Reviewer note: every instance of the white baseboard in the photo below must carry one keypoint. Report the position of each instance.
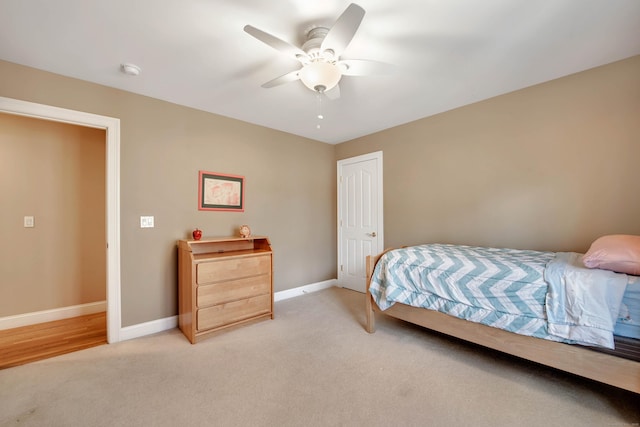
(36, 317)
(307, 289)
(155, 326)
(141, 329)
(148, 328)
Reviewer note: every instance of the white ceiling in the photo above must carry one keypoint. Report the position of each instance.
(447, 53)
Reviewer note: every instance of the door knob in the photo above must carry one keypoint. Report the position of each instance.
(372, 234)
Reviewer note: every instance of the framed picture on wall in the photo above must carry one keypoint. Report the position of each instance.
(220, 192)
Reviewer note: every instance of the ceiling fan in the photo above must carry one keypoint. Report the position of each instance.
(322, 68)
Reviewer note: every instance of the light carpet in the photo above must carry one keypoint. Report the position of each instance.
(313, 365)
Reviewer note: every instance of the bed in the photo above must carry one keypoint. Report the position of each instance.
(546, 307)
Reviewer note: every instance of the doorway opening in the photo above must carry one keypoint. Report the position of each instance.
(112, 128)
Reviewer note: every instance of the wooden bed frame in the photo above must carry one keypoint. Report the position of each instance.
(602, 367)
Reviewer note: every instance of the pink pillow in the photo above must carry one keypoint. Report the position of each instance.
(619, 253)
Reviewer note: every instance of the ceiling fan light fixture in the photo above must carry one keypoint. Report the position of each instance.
(320, 76)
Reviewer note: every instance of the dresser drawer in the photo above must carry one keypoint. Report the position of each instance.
(221, 292)
(226, 269)
(225, 314)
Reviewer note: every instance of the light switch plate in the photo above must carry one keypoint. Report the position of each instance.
(146, 222)
(29, 222)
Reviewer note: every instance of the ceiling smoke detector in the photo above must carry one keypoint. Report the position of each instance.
(130, 69)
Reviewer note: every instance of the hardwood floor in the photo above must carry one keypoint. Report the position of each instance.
(35, 342)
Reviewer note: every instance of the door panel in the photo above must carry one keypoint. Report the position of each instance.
(359, 217)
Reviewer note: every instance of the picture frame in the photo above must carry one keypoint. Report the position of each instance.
(220, 192)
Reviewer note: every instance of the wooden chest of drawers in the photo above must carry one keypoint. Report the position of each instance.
(223, 282)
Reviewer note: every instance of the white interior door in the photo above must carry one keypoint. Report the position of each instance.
(360, 217)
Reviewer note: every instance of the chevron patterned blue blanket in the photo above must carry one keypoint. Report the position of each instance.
(502, 288)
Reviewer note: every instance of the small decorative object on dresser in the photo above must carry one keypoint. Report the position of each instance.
(223, 282)
(245, 231)
(197, 234)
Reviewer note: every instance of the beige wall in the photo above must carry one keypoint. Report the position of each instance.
(549, 167)
(290, 186)
(56, 173)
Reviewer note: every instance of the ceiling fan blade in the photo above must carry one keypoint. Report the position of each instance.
(276, 43)
(363, 67)
(340, 35)
(289, 77)
(333, 93)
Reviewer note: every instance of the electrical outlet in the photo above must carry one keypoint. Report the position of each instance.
(29, 222)
(146, 222)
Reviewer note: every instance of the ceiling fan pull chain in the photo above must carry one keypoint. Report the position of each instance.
(319, 108)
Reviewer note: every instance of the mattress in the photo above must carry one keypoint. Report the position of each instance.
(526, 292)
(628, 323)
